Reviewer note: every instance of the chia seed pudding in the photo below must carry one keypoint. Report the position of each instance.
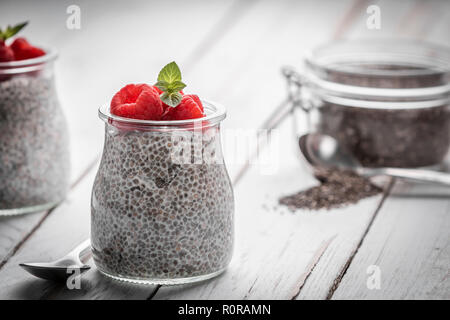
(34, 155)
(389, 138)
(156, 220)
(387, 104)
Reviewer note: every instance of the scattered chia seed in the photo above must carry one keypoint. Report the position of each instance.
(337, 188)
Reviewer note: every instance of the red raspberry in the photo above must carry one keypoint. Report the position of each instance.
(137, 101)
(6, 53)
(24, 50)
(197, 100)
(187, 109)
(20, 44)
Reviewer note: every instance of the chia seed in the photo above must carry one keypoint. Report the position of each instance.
(337, 188)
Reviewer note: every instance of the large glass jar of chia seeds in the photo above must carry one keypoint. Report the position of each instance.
(162, 203)
(34, 148)
(386, 102)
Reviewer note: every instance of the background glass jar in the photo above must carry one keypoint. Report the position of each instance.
(386, 102)
(34, 146)
(162, 201)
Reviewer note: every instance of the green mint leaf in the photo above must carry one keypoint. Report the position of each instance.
(171, 99)
(162, 85)
(169, 81)
(176, 86)
(170, 73)
(11, 31)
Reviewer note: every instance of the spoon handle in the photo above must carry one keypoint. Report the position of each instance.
(413, 174)
(81, 250)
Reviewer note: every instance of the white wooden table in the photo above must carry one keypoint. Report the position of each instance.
(231, 52)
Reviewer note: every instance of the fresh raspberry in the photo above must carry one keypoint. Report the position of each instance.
(197, 100)
(187, 109)
(24, 50)
(137, 101)
(6, 53)
(20, 44)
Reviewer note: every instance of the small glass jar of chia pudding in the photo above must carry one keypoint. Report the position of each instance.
(162, 201)
(34, 147)
(386, 102)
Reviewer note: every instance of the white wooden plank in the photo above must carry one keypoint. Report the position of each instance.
(410, 243)
(12, 230)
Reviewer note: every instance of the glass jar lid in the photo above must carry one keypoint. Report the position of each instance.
(380, 71)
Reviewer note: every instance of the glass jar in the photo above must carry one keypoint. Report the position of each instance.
(34, 146)
(162, 201)
(386, 102)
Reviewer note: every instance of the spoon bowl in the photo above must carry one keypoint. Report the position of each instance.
(52, 272)
(323, 151)
(61, 269)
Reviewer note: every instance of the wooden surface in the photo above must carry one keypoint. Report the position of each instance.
(232, 52)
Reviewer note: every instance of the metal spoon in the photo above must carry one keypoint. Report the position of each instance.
(323, 151)
(61, 269)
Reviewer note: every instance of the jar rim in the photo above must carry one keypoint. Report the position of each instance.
(418, 57)
(28, 65)
(50, 55)
(345, 102)
(215, 113)
(383, 94)
(382, 62)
